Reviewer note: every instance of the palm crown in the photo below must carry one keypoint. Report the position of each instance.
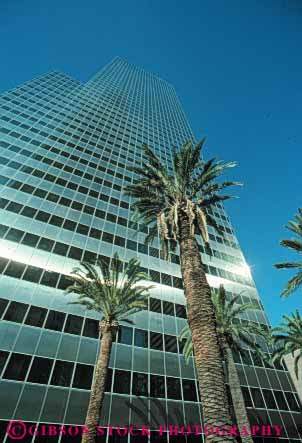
(235, 333)
(294, 244)
(109, 289)
(287, 339)
(191, 189)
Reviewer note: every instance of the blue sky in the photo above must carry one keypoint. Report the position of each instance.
(237, 71)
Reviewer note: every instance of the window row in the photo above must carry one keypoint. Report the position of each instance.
(41, 370)
(73, 324)
(61, 281)
(270, 399)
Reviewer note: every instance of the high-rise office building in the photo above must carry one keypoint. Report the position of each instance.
(65, 153)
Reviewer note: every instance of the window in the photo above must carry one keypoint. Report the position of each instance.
(155, 305)
(75, 253)
(121, 382)
(157, 386)
(3, 304)
(73, 324)
(62, 373)
(16, 312)
(45, 244)
(173, 388)
(30, 240)
(91, 328)
(246, 396)
(269, 399)
(49, 279)
(17, 367)
(141, 338)
(55, 320)
(180, 311)
(60, 249)
(170, 343)
(32, 274)
(3, 359)
(15, 269)
(257, 397)
(14, 235)
(83, 376)
(156, 341)
(40, 370)
(168, 308)
(189, 390)
(281, 400)
(125, 335)
(36, 316)
(140, 384)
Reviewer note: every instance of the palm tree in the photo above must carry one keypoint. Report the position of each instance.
(294, 244)
(107, 289)
(232, 337)
(287, 339)
(175, 207)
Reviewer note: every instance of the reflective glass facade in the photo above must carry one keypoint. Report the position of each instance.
(65, 152)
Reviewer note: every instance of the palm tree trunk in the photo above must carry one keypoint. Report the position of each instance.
(202, 322)
(99, 383)
(236, 392)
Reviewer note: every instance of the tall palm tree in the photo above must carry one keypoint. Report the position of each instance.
(115, 294)
(175, 207)
(287, 339)
(294, 244)
(232, 337)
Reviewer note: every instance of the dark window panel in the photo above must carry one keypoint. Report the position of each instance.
(91, 328)
(16, 312)
(125, 335)
(269, 399)
(180, 311)
(73, 324)
(83, 376)
(32, 274)
(36, 316)
(75, 253)
(156, 341)
(109, 380)
(141, 338)
(55, 320)
(30, 240)
(14, 235)
(170, 343)
(247, 396)
(3, 304)
(28, 212)
(50, 279)
(60, 249)
(121, 382)
(40, 370)
(189, 390)
(173, 388)
(3, 360)
(15, 269)
(17, 367)
(155, 305)
(257, 398)
(3, 230)
(64, 282)
(3, 263)
(45, 244)
(281, 400)
(157, 386)
(168, 308)
(140, 384)
(62, 373)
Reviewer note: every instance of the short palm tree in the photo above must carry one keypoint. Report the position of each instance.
(287, 339)
(232, 337)
(115, 294)
(294, 244)
(175, 208)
